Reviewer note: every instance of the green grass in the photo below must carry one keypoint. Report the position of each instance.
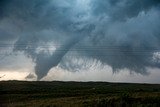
(78, 94)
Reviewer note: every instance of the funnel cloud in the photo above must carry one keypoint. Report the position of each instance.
(122, 34)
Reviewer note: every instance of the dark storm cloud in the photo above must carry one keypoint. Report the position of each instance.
(120, 33)
(5, 36)
(122, 9)
(2, 4)
(44, 21)
(128, 44)
(126, 35)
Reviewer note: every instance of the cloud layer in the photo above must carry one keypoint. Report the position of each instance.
(123, 34)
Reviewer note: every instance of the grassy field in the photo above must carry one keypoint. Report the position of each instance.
(78, 94)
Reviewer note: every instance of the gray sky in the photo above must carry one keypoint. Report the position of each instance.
(80, 40)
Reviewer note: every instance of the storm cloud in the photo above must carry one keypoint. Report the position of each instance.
(123, 34)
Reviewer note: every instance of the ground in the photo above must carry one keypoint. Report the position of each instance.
(78, 94)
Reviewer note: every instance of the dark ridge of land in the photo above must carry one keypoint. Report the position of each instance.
(78, 94)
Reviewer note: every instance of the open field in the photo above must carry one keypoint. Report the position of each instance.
(78, 94)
